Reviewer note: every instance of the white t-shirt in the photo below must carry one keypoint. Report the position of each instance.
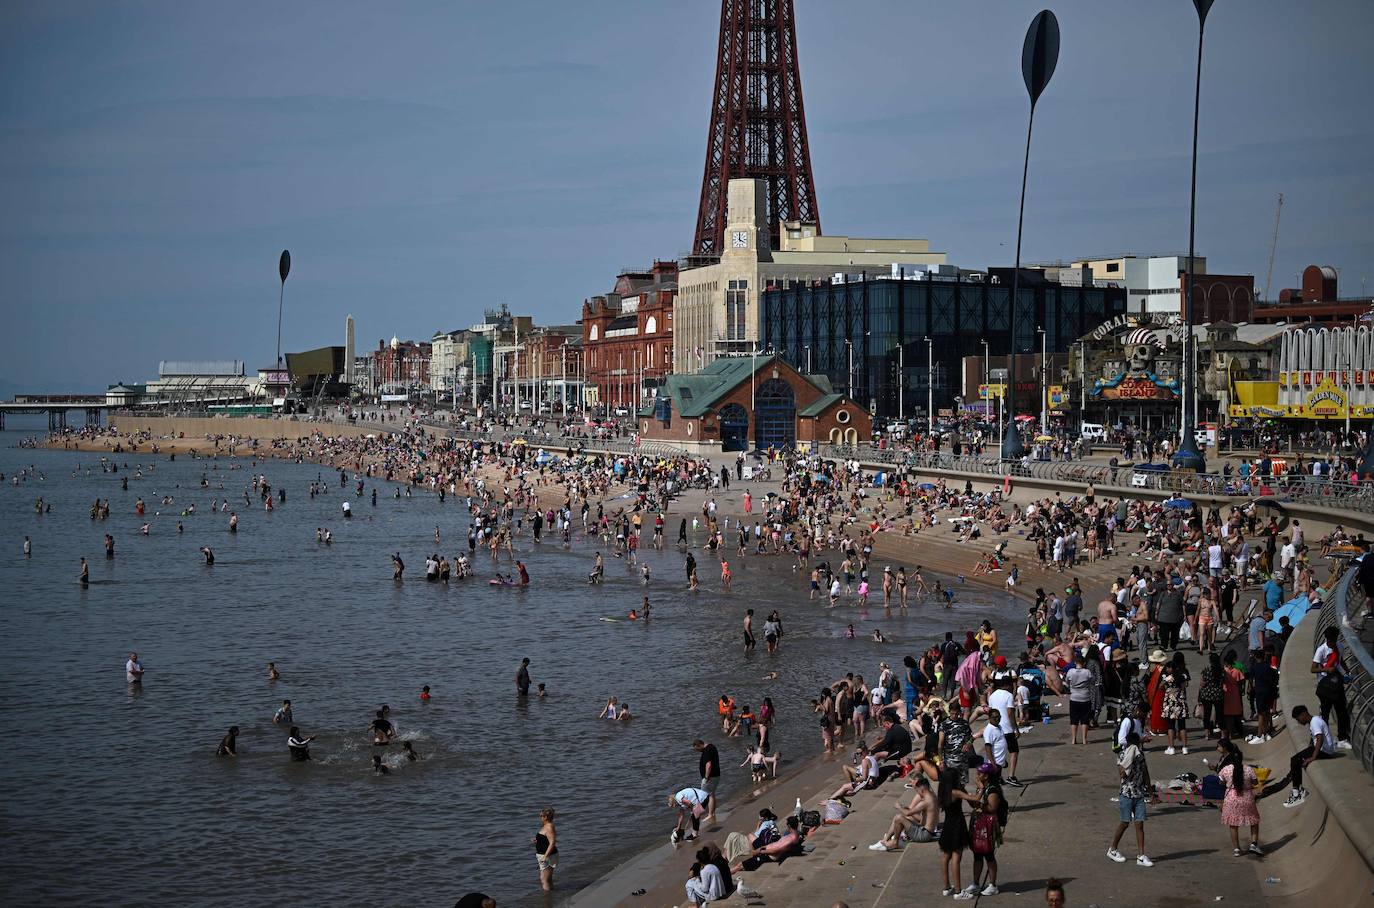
(1320, 657)
(131, 668)
(693, 796)
(994, 736)
(1287, 554)
(1319, 729)
(1127, 726)
(1214, 556)
(1003, 701)
(869, 767)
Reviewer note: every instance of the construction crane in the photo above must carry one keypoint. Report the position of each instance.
(1273, 245)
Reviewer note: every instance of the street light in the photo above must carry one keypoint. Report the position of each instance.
(1039, 54)
(1044, 386)
(1188, 456)
(930, 385)
(807, 348)
(850, 346)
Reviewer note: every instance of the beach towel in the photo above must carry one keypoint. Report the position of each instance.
(1293, 610)
(970, 672)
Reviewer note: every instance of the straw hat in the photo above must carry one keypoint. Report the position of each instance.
(1158, 657)
(1119, 655)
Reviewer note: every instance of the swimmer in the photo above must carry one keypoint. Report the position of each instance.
(539, 690)
(228, 745)
(410, 753)
(382, 730)
(878, 636)
(645, 609)
(633, 616)
(645, 575)
(378, 767)
(398, 567)
(209, 555)
(771, 676)
(610, 710)
(283, 715)
(28, 547)
(85, 573)
(272, 673)
(624, 713)
(424, 694)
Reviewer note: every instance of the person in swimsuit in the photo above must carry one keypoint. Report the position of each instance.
(85, 573)
(208, 553)
(609, 710)
(228, 745)
(546, 848)
(378, 766)
(272, 673)
(382, 730)
(749, 641)
(299, 746)
(901, 587)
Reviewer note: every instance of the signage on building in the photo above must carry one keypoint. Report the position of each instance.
(990, 392)
(1135, 320)
(1058, 399)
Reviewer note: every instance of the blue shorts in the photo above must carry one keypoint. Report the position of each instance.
(1103, 630)
(1132, 809)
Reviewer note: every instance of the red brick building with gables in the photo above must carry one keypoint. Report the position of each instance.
(627, 337)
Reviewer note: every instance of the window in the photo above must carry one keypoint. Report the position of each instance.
(736, 300)
(651, 325)
(1113, 266)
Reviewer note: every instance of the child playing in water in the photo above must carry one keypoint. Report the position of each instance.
(863, 593)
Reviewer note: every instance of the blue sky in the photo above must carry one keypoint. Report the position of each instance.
(423, 161)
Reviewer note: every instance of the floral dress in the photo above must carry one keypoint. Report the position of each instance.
(1238, 808)
(1175, 696)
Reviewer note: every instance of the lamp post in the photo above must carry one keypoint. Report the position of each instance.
(901, 383)
(987, 382)
(1044, 384)
(1188, 456)
(850, 345)
(807, 348)
(930, 385)
(1039, 54)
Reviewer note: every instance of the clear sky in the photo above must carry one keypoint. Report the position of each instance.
(423, 161)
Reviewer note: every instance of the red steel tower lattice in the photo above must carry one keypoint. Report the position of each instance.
(758, 125)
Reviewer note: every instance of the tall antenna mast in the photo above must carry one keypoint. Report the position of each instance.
(1273, 244)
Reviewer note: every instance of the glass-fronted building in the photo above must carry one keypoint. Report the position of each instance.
(814, 325)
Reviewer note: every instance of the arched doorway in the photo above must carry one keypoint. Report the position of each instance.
(734, 428)
(775, 415)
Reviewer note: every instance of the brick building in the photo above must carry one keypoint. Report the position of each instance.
(738, 403)
(401, 364)
(1317, 301)
(627, 337)
(549, 366)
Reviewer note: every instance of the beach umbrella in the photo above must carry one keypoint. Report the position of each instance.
(1293, 610)
(926, 486)
(1178, 503)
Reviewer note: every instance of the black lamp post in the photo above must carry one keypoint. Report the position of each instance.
(1039, 54)
(283, 269)
(1188, 456)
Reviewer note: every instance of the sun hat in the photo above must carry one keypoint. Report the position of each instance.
(1158, 657)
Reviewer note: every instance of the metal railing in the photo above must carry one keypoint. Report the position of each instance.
(1357, 665)
(1293, 488)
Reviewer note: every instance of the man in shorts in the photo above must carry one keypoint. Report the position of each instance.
(709, 766)
(1135, 783)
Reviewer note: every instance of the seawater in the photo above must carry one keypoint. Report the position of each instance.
(112, 793)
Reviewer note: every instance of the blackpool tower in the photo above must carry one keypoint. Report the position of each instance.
(758, 125)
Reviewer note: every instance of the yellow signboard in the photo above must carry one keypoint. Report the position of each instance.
(990, 392)
(1057, 398)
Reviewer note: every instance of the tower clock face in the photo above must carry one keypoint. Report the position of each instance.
(739, 239)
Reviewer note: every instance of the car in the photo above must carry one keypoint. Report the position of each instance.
(621, 411)
(1094, 431)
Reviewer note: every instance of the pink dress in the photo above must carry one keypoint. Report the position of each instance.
(1238, 808)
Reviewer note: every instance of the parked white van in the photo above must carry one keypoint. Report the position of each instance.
(1094, 431)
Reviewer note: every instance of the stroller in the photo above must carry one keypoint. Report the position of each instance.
(1034, 679)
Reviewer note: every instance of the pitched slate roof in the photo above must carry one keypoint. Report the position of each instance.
(818, 406)
(693, 395)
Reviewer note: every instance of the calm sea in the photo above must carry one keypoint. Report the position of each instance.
(115, 795)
